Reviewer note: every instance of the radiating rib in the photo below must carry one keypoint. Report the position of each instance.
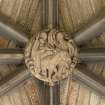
(8, 30)
(51, 94)
(84, 76)
(50, 20)
(50, 13)
(11, 56)
(96, 29)
(10, 33)
(45, 13)
(56, 14)
(13, 80)
(92, 55)
(55, 95)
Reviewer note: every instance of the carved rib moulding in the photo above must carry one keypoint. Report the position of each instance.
(51, 56)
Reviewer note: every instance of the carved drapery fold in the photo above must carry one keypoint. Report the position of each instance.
(51, 56)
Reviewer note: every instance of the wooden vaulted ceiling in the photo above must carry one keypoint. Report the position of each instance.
(73, 16)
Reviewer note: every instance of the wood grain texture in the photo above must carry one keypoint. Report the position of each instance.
(102, 101)
(73, 93)
(26, 15)
(84, 96)
(23, 94)
(64, 87)
(95, 99)
(74, 15)
(23, 13)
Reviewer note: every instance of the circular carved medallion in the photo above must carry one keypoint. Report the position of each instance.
(51, 56)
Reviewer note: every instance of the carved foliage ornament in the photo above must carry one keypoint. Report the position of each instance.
(51, 56)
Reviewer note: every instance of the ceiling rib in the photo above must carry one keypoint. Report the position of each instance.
(92, 55)
(80, 75)
(44, 13)
(9, 32)
(50, 13)
(11, 56)
(91, 32)
(96, 29)
(14, 80)
(50, 20)
(84, 76)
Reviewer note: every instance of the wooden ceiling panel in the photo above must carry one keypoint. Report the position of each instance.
(74, 14)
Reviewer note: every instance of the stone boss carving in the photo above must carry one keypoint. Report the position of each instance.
(51, 56)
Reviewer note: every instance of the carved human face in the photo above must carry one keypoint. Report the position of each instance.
(51, 64)
(43, 37)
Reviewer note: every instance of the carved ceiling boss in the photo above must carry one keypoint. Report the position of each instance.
(51, 56)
